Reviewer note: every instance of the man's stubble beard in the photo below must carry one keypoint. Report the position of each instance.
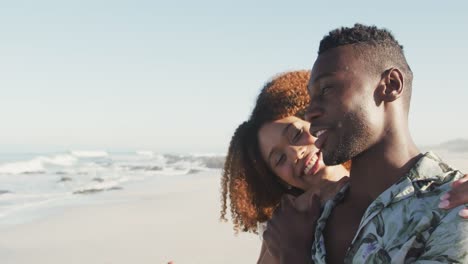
(351, 142)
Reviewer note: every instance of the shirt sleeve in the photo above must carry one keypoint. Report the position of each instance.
(448, 243)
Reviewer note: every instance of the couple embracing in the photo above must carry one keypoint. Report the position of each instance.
(327, 161)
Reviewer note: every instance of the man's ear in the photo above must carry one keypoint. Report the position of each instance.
(390, 86)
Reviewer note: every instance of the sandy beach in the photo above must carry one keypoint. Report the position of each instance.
(135, 225)
(152, 220)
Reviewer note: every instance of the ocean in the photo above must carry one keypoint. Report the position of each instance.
(32, 185)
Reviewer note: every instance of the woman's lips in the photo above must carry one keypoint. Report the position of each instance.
(313, 165)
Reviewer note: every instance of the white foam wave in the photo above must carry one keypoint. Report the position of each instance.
(101, 186)
(145, 153)
(213, 154)
(60, 160)
(89, 154)
(36, 165)
(31, 166)
(40, 181)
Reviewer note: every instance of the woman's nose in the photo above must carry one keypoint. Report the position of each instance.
(297, 153)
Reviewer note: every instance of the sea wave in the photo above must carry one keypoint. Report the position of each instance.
(77, 161)
(142, 168)
(60, 160)
(4, 192)
(146, 153)
(36, 165)
(20, 167)
(57, 177)
(101, 185)
(96, 190)
(89, 153)
(208, 161)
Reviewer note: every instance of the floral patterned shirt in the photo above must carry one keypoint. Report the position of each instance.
(404, 224)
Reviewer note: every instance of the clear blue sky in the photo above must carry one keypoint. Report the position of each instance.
(176, 76)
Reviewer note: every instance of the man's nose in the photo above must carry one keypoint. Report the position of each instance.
(312, 113)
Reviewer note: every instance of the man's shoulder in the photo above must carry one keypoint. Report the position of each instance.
(414, 204)
(411, 226)
(431, 168)
(430, 178)
(428, 189)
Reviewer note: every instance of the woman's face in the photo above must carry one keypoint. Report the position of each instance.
(288, 149)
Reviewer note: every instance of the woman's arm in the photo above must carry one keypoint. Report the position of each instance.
(266, 257)
(290, 231)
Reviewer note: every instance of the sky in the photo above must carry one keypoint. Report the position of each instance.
(180, 76)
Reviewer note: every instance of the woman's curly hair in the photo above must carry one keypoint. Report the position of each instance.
(253, 189)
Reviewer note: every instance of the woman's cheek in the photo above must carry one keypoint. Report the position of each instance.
(285, 175)
(307, 138)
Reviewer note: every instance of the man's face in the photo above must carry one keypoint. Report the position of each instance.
(343, 113)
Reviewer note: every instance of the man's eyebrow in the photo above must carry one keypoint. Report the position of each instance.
(321, 76)
(285, 130)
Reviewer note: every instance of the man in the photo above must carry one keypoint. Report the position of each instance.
(388, 213)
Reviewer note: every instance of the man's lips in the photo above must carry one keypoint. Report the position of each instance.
(321, 135)
(316, 130)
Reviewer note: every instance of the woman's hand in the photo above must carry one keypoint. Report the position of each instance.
(328, 189)
(457, 196)
(290, 232)
(266, 257)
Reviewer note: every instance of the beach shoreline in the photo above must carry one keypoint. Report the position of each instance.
(153, 220)
(179, 222)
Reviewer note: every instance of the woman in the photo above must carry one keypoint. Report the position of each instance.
(273, 154)
(259, 165)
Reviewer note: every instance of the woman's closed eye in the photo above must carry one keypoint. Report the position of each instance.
(280, 158)
(297, 135)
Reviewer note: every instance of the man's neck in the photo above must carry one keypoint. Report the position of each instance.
(378, 168)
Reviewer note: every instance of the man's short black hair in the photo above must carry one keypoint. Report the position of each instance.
(359, 34)
(376, 46)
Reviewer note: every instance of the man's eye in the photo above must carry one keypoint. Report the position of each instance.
(325, 89)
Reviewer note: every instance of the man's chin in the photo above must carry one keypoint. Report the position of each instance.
(329, 159)
(332, 158)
